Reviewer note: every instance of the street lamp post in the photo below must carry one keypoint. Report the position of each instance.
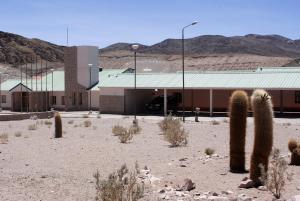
(90, 105)
(135, 47)
(182, 40)
(0, 92)
(52, 89)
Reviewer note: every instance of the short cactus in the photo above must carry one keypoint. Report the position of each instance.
(238, 109)
(294, 148)
(58, 125)
(263, 119)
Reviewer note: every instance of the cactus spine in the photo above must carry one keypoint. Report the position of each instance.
(58, 125)
(263, 125)
(294, 148)
(238, 120)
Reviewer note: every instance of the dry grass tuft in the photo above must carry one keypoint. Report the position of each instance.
(32, 126)
(277, 175)
(85, 116)
(168, 122)
(18, 134)
(124, 134)
(173, 131)
(70, 121)
(209, 151)
(215, 122)
(135, 128)
(48, 122)
(4, 138)
(87, 123)
(122, 185)
(118, 130)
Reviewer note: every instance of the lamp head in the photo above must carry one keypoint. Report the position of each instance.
(135, 46)
(195, 22)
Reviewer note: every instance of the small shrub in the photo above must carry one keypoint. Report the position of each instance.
(176, 135)
(87, 123)
(85, 116)
(48, 122)
(3, 138)
(18, 134)
(215, 122)
(275, 178)
(135, 128)
(70, 121)
(32, 127)
(168, 122)
(209, 151)
(126, 136)
(33, 117)
(118, 130)
(121, 185)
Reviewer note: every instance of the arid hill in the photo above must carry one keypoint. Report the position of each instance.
(208, 52)
(15, 49)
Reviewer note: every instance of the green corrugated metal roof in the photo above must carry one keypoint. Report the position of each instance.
(214, 80)
(115, 78)
(58, 82)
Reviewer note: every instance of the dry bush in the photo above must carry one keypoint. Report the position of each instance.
(168, 122)
(18, 134)
(32, 126)
(118, 130)
(209, 151)
(176, 135)
(277, 175)
(4, 138)
(70, 121)
(87, 123)
(215, 122)
(135, 128)
(85, 116)
(126, 136)
(122, 185)
(48, 122)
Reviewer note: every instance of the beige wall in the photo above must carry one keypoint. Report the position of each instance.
(6, 105)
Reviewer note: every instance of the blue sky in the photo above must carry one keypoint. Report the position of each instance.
(104, 22)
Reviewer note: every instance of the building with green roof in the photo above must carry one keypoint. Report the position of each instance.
(114, 93)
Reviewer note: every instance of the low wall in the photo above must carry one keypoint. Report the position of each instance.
(18, 116)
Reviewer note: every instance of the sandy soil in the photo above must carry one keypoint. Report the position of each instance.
(173, 63)
(34, 166)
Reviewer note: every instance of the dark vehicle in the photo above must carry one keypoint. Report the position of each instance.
(157, 104)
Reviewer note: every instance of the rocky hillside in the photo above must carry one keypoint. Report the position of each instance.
(262, 45)
(15, 49)
(203, 52)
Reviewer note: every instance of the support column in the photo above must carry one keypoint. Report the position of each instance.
(210, 102)
(165, 103)
(281, 101)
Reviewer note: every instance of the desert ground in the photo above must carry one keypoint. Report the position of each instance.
(36, 166)
(199, 62)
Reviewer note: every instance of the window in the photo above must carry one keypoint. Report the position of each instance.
(74, 99)
(3, 99)
(63, 100)
(80, 98)
(53, 98)
(297, 96)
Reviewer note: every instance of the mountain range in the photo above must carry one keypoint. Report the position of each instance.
(207, 51)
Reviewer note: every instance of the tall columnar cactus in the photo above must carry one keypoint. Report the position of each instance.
(238, 108)
(58, 125)
(263, 124)
(294, 148)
